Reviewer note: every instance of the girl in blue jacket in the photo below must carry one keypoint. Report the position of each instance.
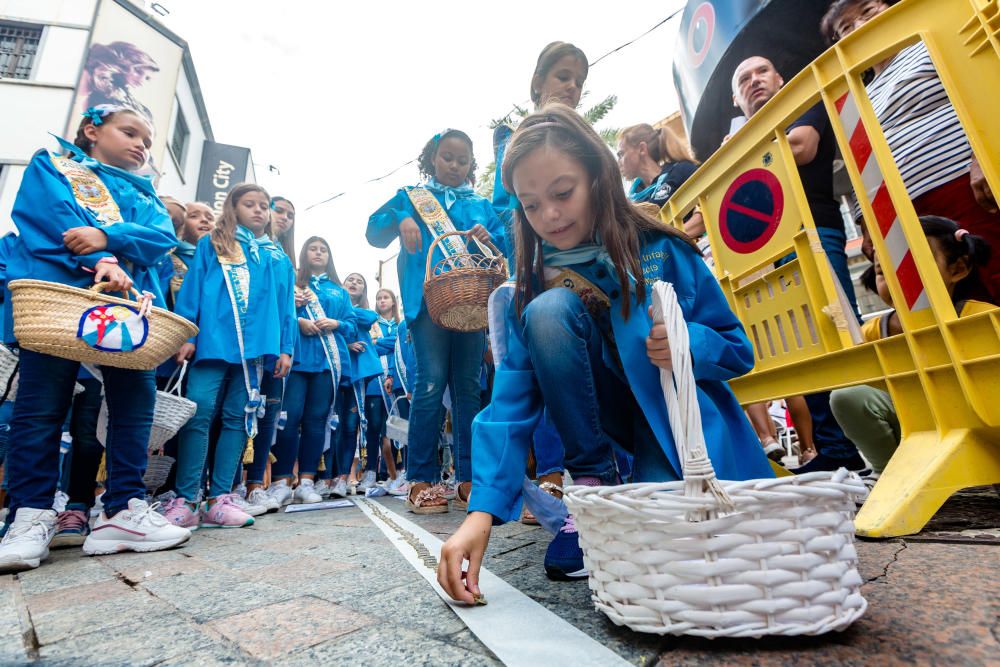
(83, 218)
(379, 392)
(326, 323)
(444, 358)
(575, 336)
(365, 366)
(234, 291)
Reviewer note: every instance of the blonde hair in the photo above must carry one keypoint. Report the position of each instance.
(661, 143)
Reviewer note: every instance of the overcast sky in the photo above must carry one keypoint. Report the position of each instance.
(334, 94)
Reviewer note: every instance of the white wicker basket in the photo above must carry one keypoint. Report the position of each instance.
(397, 428)
(170, 413)
(719, 559)
(9, 361)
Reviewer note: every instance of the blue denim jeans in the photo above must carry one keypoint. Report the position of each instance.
(211, 384)
(273, 388)
(834, 242)
(376, 412)
(344, 441)
(548, 447)
(44, 395)
(307, 405)
(592, 408)
(86, 454)
(444, 358)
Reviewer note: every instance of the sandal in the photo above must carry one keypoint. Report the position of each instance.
(551, 488)
(462, 494)
(426, 499)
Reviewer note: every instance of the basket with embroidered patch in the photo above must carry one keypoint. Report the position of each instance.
(714, 558)
(89, 326)
(457, 289)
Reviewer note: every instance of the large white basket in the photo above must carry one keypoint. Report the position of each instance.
(719, 559)
(171, 412)
(397, 428)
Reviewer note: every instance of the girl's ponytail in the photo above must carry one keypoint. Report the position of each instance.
(957, 244)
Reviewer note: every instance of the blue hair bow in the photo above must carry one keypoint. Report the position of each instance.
(95, 114)
(436, 138)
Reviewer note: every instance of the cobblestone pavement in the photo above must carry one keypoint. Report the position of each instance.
(326, 588)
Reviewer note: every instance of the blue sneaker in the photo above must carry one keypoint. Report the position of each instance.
(72, 527)
(564, 557)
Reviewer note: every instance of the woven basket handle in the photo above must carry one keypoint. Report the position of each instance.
(174, 386)
(392, 409)
(102, 287)
(681, 395)
(488, 249)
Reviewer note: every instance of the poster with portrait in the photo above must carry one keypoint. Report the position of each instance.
(130, 63)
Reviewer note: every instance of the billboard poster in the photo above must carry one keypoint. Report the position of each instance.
(222, 167)
(132, 64)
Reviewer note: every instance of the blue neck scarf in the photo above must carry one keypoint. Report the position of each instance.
(244, 235)
(266, 243)
(451, 195)
(585, 252)
(314, 281)
(142, 183)
(184, 250)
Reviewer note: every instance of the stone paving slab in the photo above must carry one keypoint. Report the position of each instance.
(326, 587)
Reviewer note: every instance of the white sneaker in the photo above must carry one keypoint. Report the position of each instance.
(367, 481)
(26, 543)
(138, 528)
(306, 494)
(241, 491)
(398, 486)
(323, 488)
(250, 508)
(340, 489)
(280, 492)
(260, 497)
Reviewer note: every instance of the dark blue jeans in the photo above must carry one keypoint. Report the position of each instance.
(87, 450)
(44, 395)
(344, 441)
(592, 408)
(444, 359)
(377, 412)
(273, 388)
(307, 405)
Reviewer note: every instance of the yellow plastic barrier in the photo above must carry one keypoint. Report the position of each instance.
(943, 373)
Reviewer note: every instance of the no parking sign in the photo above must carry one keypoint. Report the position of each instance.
(751, 211)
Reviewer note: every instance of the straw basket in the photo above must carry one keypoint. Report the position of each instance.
(397, 428)
(457, 289)
(719, 559)
(9, 362)
(52, 318)
(171, 412)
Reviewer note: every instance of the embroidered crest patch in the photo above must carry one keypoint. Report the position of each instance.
(113, 328)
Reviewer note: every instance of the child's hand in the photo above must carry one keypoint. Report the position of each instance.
(409, 235)
(356, 346)
(283, 366)
(387, 385)
(85, 240)
(480, 233)
(113, 276)
(301, 298)
(185, 353)
(468, 542)
(658, 346)
(980, 188)
(327, 324)
(308, 327)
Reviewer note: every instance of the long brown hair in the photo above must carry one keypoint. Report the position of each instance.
(286, 240)
(550, 55)
(661, 143)
(617, 222)
(395, 304)
(363, 299)
(224, 234)
(304, 273)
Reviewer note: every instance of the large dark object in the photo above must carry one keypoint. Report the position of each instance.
(717, 35)
(222, 167)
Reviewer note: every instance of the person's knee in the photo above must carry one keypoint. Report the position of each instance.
(849, 403)
(548, 314)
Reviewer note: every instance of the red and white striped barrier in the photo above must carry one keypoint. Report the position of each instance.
(885, 213)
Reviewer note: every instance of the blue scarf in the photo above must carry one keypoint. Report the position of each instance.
(185, 250)
(585, 252)
(244, 235)
(314, 281)
(450, 194)
(266, 243)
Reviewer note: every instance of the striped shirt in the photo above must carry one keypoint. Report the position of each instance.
(919, 122)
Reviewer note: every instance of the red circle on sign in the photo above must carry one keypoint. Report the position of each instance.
(751, 210)
(702, 18)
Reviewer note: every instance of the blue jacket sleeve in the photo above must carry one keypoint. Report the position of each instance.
(344, 315)
(289, 318)
(147, 239)
(719, 345)
(44, 209)
(189, 298)
(501, 434)
(383, 225)
(496, 229)
(364, 318)
(386, 345)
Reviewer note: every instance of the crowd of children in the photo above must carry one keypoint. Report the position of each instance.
(295, 373)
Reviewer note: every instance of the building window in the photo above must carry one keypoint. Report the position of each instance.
(179, 142)
(18, 48)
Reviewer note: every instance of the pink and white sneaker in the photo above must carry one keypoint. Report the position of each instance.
(178, 512)
(137, 528)
(225, 513)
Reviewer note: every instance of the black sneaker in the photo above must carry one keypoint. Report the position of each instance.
(825, 463)
(564, 557)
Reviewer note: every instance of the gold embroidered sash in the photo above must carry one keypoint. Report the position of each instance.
(89, 190)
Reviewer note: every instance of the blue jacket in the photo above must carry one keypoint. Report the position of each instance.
(366, 364)
(503, 202)
(501, 434)
(383, 227)
(385, 347)
(285, 284)
(336, 302)
(45, 208)
(204, 299)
